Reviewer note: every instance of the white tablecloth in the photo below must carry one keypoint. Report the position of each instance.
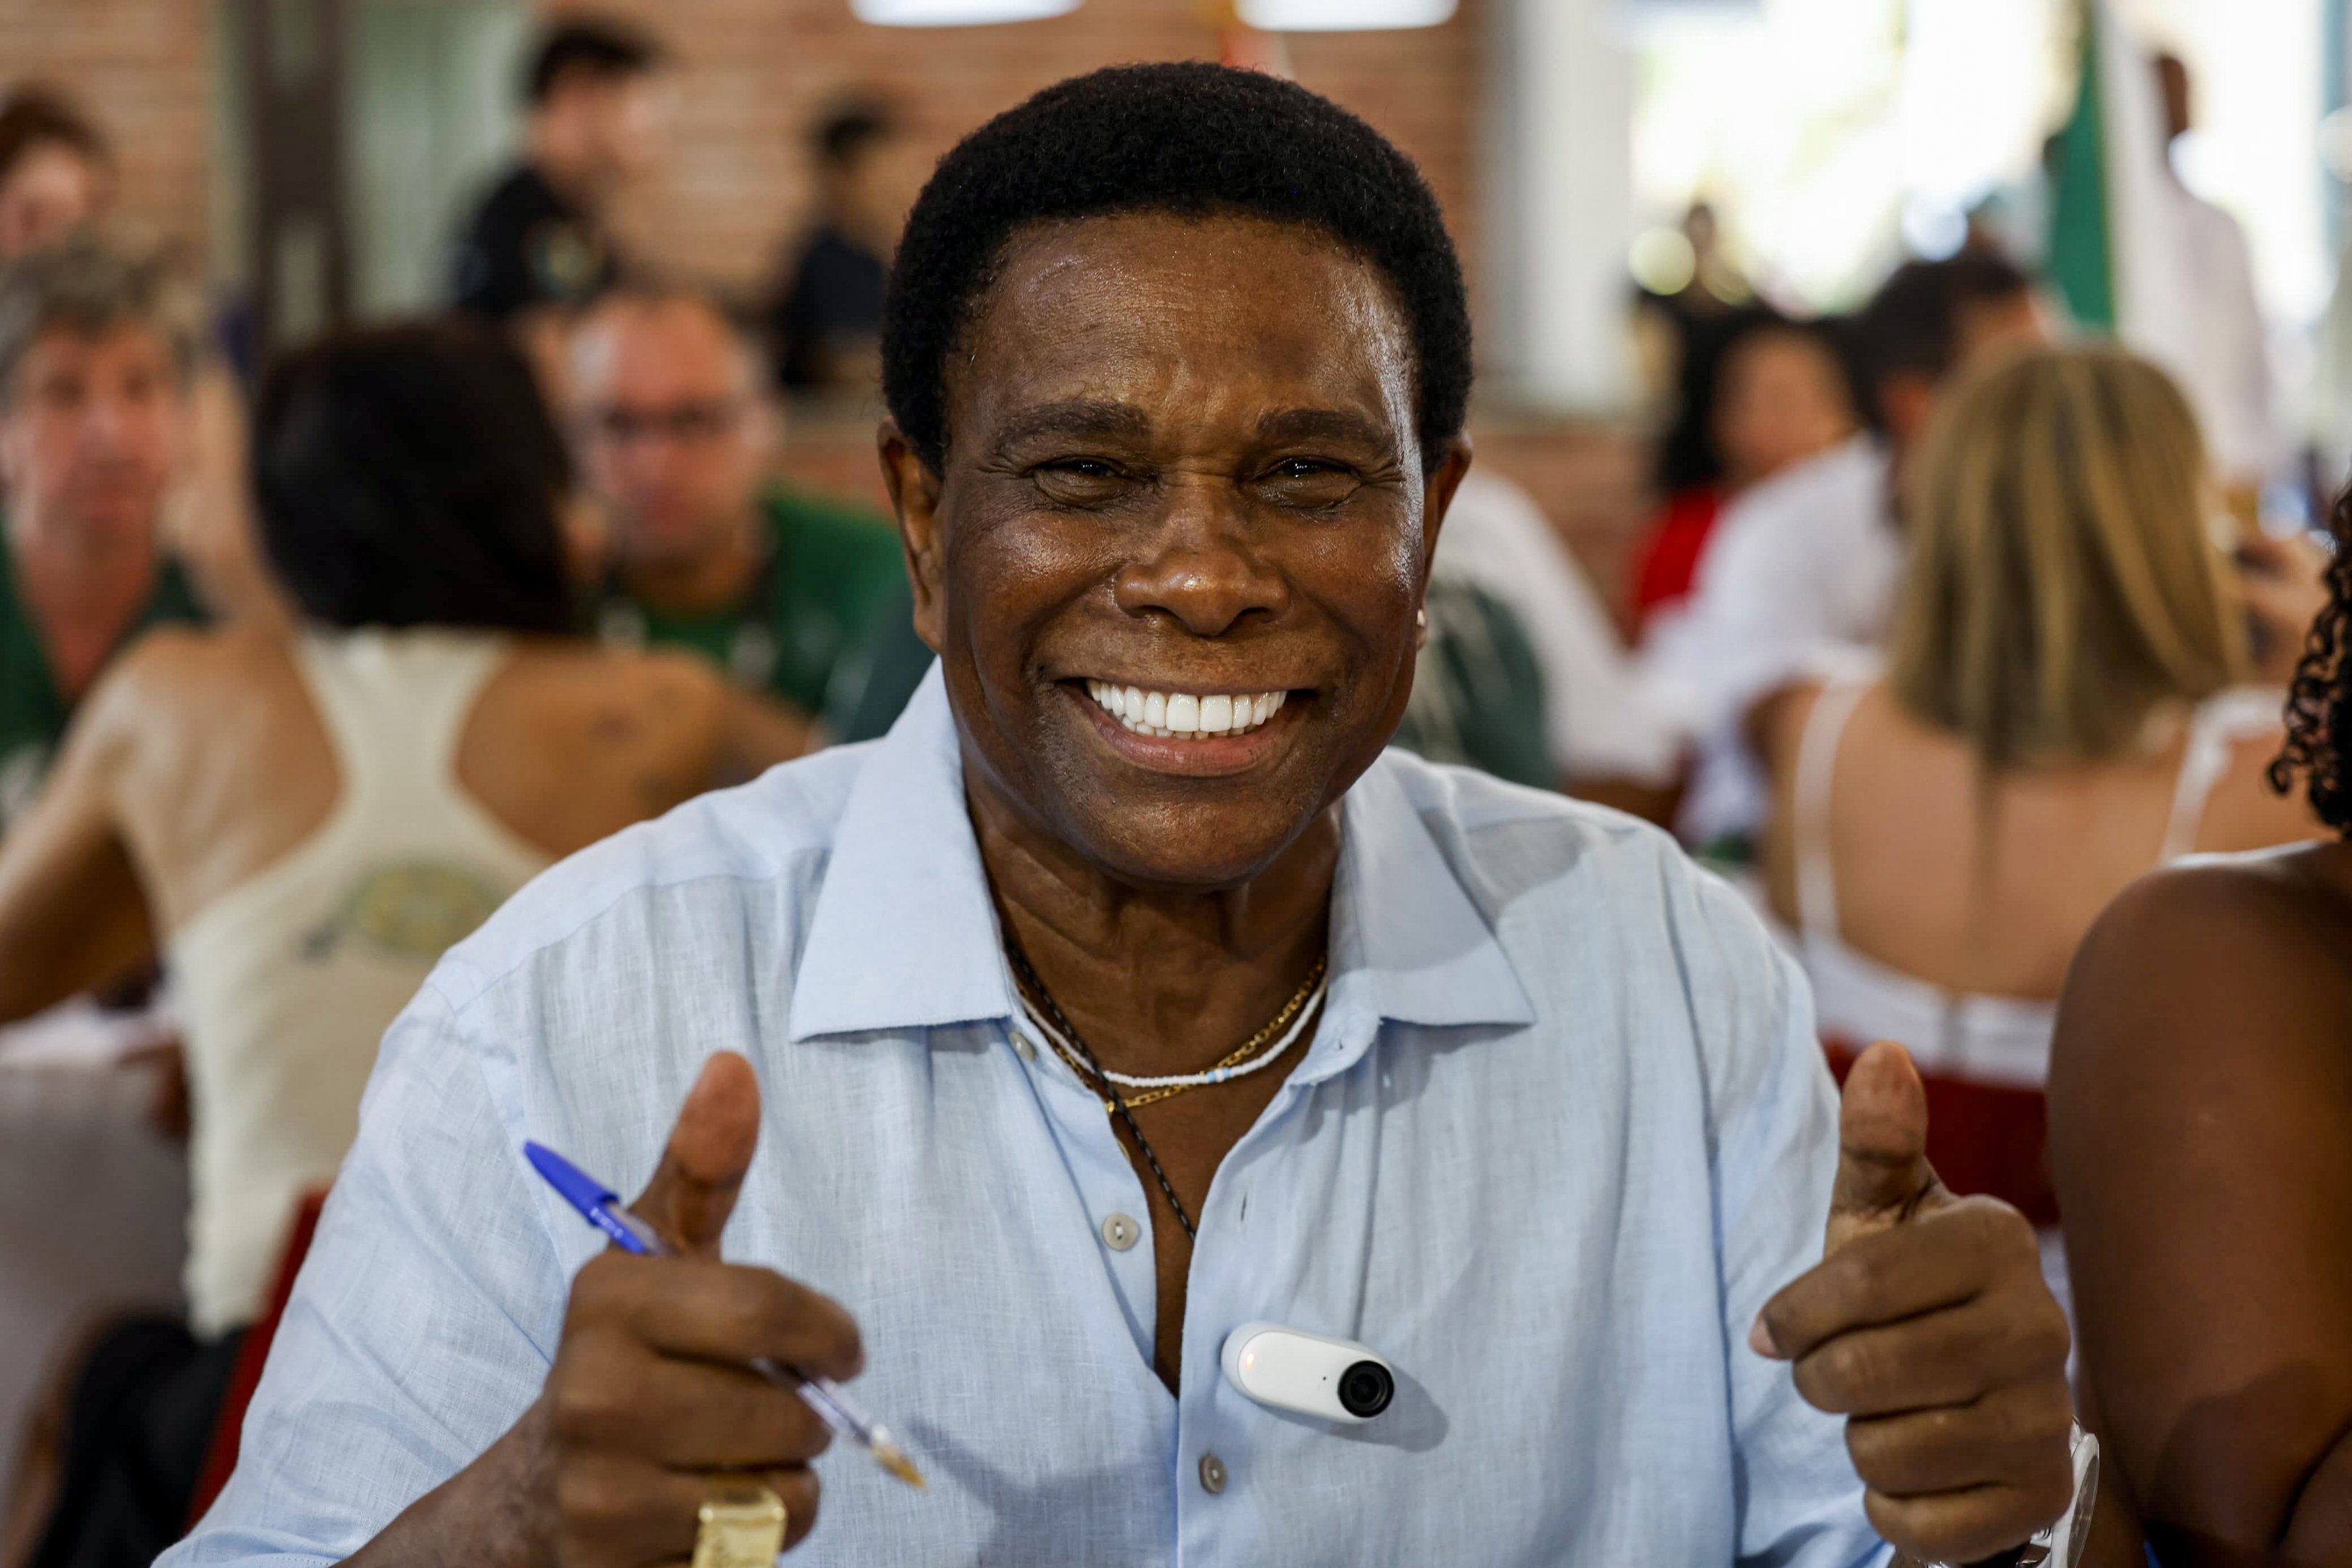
(93, 1205)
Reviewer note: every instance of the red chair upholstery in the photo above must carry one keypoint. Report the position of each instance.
(228, 1427)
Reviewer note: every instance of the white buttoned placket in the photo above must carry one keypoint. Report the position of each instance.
(1213, 1449)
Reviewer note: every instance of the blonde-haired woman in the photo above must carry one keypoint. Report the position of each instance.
(2058, 712)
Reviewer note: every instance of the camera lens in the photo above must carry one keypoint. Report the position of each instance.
(1366, 1388)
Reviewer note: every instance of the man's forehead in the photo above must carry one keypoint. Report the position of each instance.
(64, 344)
(1139, 316)
(670, 342)
(1185, 258)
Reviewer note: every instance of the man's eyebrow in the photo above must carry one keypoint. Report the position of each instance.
(1073, 417)
(1324, 425)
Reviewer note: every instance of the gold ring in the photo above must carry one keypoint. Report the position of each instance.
(742, 1524)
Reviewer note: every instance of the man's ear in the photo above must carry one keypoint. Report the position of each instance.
(915, 497)
(1437, 495)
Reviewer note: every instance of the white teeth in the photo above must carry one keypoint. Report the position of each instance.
(1183, 714)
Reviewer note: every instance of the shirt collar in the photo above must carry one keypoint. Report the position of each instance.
(905, 935)
(1407, 942)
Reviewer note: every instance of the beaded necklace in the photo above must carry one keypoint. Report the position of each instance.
(1039, 1004)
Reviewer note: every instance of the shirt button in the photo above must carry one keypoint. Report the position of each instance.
(1118, 1232)
(1212, 1474)
(1027, 1047)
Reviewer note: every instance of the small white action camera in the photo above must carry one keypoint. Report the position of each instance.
(1289, 1369)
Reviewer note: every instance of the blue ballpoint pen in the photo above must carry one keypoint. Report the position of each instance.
(601, 1207)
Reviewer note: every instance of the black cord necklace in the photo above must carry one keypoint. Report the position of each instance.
(1055, 1015)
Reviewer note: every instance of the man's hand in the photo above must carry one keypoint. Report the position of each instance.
(652, 1391)
(1928, 1323)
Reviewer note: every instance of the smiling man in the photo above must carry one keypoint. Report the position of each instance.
(1127, 993)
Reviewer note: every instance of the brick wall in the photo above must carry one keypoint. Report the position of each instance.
(753, 73)
(141, 68)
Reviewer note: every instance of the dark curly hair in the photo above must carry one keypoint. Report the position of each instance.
(2318, 704)
(1188, 138)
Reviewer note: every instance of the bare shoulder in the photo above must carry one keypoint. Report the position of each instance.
(636, 678)
(172, 654)
(650, 710)
(2265, 895)
(176, 670)
(2250, 944)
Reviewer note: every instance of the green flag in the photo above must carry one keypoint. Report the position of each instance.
(2082, 229)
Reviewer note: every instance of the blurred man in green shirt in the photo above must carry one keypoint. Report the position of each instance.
(94, 380)
(806, 598)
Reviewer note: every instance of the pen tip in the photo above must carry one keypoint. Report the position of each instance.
(896, 1461)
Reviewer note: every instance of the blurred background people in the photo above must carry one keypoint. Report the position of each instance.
(784, 591)
(1780, 393)
(541, 236)
(2219, 349)
(302, 823)
(1552, 689)
(1806, 564)
(54, 174)
(2201, 1131)
(824, 325)
(2058, 712)
(1685, 319)
(95, 357)
(1759, 527)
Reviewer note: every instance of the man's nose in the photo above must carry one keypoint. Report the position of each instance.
(105, 422)
(645, 460)
(1203, 566)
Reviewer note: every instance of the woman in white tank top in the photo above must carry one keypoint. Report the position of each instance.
(2057, 716)
(305, 822)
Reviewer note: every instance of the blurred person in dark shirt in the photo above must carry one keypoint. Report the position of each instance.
(825, 327)
(539, 236)
(789, 593)
(55, 173)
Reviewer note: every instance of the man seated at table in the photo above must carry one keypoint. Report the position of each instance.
(1176, 368)
(675, 431)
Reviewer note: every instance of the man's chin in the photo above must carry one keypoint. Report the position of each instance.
(113, 523)
(1196, 845)
(668, 545)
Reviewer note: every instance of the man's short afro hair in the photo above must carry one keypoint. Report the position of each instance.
(1188, 138)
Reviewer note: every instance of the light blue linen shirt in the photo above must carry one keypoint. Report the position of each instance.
(1563, 1128)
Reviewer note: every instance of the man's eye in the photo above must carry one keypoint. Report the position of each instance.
(1081, 481)
(1309, 482)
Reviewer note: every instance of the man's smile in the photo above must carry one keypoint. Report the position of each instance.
(1185, 738)
(1185, 715)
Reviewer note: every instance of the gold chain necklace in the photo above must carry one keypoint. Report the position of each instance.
(1099, 1081)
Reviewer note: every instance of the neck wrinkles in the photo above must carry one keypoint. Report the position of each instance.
(1156, 980)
